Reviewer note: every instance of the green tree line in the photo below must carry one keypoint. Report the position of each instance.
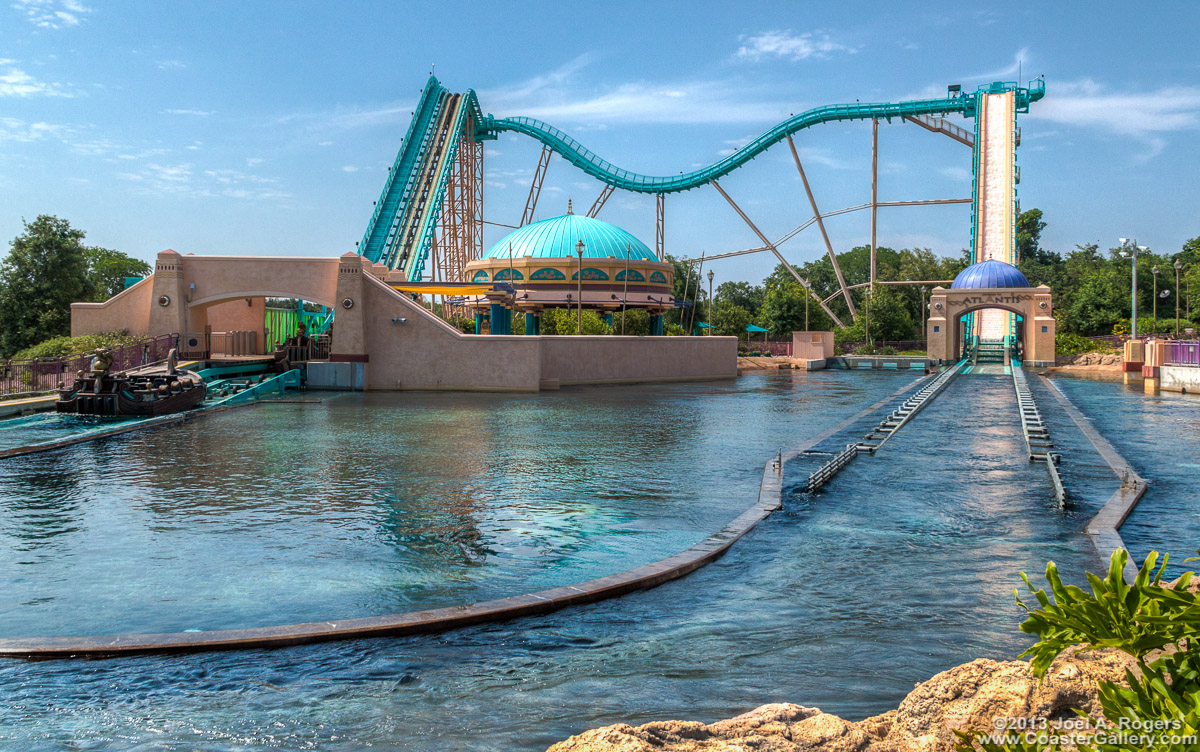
(47, 269)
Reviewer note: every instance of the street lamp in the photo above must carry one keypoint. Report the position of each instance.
(1131, 249)
(807, 295)
(579, 303)
(1154, 326)
(710, 300)
(1178, 266)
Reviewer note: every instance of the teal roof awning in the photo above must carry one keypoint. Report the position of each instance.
(753, 328)
(702, 325)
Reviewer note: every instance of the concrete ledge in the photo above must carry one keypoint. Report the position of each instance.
(770, 498)
(1104, 527)
(879, 362)
(27, 405)
(1185, 379)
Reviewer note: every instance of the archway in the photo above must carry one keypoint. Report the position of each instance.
(1033, 306)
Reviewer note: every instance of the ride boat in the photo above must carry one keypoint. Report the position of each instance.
(155, 389)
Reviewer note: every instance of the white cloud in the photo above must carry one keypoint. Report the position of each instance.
(171, 64)
(787, 45)
(183, 180)
(15, 82)
(1143, 116)
(254, 161)
(197, 113)
(51, 14)
(12, 129)
(349, 168)
(956, 173)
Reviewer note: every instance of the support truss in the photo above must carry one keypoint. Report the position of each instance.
(837, 270)
(660, 230)
(771, 247)
(461, 237)
(535, 189)
(600, 201)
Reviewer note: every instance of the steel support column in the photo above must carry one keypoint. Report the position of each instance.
(598, 204)
(837, 270)
(874, 190)
(660, 214)
(535, 188)
(773, 249)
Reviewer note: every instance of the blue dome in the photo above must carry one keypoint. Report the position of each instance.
(556, 238)
(990, 273)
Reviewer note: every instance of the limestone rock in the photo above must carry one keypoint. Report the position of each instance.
(973, 695)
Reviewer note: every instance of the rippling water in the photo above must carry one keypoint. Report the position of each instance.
(902, 567)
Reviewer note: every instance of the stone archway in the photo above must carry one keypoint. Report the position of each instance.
(1033, 304)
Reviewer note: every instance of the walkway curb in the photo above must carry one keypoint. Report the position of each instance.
(1104, 527)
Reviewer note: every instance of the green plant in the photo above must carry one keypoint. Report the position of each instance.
(61, 347)
(886, 350)
(1066, 343)
(1158, 626)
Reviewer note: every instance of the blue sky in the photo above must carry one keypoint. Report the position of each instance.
(267, 128)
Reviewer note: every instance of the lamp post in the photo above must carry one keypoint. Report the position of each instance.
(807, 295)
(1178, 267)
(579, 302)
(1131, 249)
(710, 300)
(1154, 316)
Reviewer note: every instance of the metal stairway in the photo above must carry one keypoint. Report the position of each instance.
(887, 428)
(1037, 437)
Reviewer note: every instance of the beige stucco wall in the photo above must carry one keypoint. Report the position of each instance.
(611, 359)
(426, 353)
(812, 345)
(128, 309)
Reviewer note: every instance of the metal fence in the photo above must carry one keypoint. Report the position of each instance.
(777, 349)
(1183, 354)
(22, 377)
(846, 348)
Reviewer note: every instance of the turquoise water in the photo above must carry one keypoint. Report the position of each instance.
(902, 567)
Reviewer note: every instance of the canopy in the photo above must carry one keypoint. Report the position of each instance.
(753, 328)
(703, 325)
(435, 289)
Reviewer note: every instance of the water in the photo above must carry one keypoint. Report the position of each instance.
(901, 568)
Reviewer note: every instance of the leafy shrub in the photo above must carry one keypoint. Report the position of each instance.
(1156, 625)
(1066, 343)
(886, 350)
(61, 347)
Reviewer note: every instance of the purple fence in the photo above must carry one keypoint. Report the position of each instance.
(18, 377)
(1183, 354)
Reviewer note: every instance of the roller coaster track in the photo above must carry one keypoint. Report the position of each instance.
(401, 229)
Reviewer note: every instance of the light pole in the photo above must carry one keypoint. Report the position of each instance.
(710, 300)
(807, 295)
(1178, 267)
(1131, 249)
(1154, 316)
(579, 302)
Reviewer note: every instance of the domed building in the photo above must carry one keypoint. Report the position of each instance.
(568, 262)
(990, 273)
(989, 307)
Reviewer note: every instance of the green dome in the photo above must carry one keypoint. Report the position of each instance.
(556, 238)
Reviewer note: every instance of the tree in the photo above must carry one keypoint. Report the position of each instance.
(46, 270)
(742, 295)
(107, 270)
(890, 319)
(730, 319)
(1029, 235)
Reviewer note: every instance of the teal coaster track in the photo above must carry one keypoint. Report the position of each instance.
(400, 233)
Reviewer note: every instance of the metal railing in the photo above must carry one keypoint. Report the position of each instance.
(37, 375)
(825, 473)
(1182, 354)
(777, 349)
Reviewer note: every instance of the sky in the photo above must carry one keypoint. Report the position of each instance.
(266, 128)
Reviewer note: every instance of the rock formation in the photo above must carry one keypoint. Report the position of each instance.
(973, 695)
